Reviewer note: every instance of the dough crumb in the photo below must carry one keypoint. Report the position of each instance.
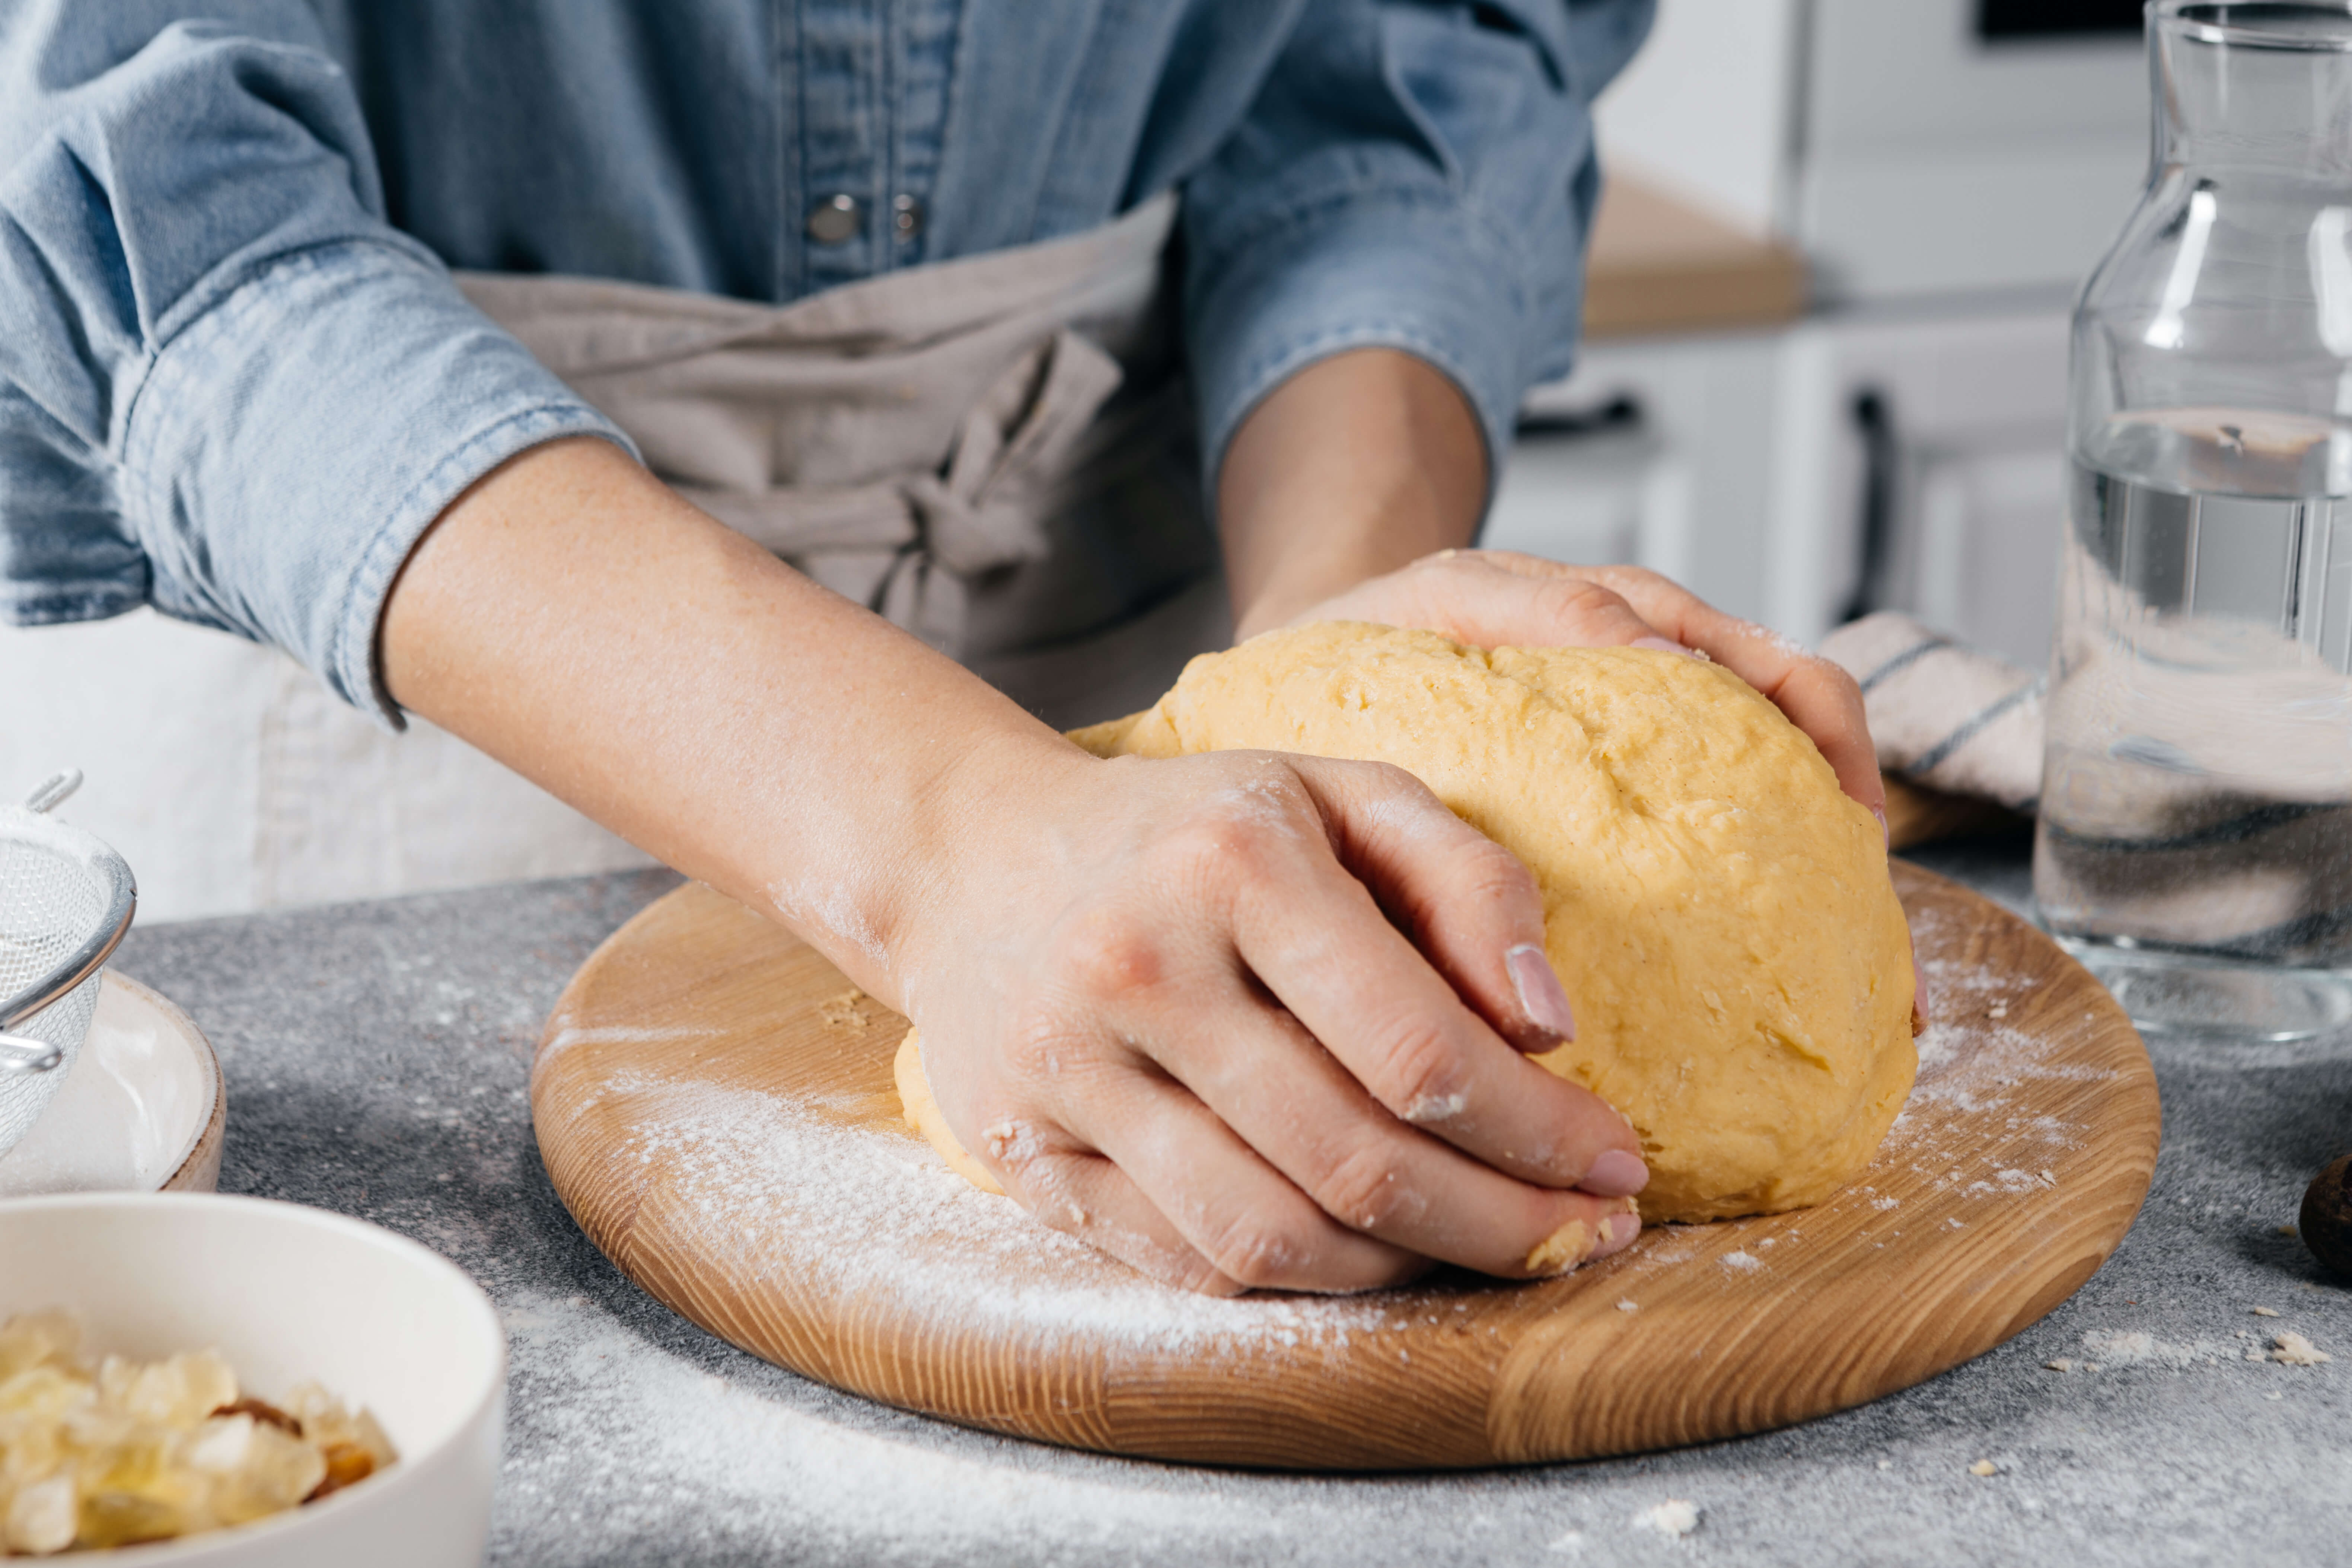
(1984, 1468)
(2266, 1311)
(1885, 1464)
(2286, 1230)
(846, 1010)
(1562, 1251)
(2090, 1366)
(1674, 1517)
(2296, 1351)
(2256, 1353)
(2061, 1365)
(1629, 1305)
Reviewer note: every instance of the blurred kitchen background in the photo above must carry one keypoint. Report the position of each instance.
(1825, 373)
(1826, 319)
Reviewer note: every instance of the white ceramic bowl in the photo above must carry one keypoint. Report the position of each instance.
(287, 1294)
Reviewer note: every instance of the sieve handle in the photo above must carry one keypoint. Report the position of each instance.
(54, 790)
(21, 1055)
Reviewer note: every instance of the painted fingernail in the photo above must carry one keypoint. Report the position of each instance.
(1617, 1233)
(1562, 1251)
(1541, 997)
(1885, 831)
(1615, 1174)
(1663, 644)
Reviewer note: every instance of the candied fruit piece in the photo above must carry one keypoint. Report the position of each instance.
(39, 1339)
(178, 1391)
(44, 1394)
(346, 1463)
(220, 1446)
(136, 1461)
(42, 1518)
(125, 1518)
(261, 1410)
(29, 1450)
(278, 1472)
(371, 1437)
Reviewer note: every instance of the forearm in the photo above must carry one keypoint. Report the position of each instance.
(1354, 466)
(574, 619)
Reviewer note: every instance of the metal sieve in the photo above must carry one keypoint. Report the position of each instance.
(65, 899)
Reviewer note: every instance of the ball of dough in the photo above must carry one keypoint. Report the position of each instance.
(1718, 909)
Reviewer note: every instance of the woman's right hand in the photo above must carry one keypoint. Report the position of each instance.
(1248, 1020)
(1240, 1019)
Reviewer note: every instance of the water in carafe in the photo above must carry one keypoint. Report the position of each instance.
(2197, 792)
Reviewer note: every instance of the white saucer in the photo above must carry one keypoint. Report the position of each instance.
(141, 1109)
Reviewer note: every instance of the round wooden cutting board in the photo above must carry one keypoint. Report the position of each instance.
(715, 1104)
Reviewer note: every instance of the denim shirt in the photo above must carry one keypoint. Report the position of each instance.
(237, 382)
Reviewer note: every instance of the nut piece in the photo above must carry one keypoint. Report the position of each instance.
(2326, 1217)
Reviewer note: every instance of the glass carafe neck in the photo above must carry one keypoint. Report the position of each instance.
(2263, 87)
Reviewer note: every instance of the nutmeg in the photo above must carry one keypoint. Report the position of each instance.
(2326, 1219)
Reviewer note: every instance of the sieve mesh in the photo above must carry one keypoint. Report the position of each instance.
(57, 886)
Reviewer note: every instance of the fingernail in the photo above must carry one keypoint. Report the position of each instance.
(1617, 1233)
(1615, 1174)
(1663, 644)
(1541, 997)
(1885, 831)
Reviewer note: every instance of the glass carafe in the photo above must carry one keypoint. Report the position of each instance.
(2195, 839)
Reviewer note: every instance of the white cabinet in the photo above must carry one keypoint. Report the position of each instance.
(1759, 467)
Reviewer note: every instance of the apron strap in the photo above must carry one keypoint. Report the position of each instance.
(904, 546)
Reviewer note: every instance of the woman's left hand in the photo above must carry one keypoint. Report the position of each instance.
(1495, 598)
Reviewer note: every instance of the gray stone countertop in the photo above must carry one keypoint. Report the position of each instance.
(376, 1057)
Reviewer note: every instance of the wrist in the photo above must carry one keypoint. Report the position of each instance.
(1353, 468)
(974, 829)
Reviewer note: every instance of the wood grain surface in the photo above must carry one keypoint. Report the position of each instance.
(714, 1103)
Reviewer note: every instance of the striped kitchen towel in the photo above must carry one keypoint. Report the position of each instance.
(1943, 715)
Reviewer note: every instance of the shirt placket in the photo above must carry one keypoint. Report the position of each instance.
(869, 85)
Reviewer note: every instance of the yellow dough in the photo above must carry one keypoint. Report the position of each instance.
(1718, 910)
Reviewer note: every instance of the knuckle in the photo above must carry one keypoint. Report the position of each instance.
(1583, 597)
(1253, 1252)
(1489, 873)
(1245, 827)
(1109, 955)
(1365, 1189)
(1038, 1040)
(1015, 1148)
(1418, 1068)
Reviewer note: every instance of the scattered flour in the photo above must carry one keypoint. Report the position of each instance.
(1674, 1518)
(1742, 1261)
(866, 1208)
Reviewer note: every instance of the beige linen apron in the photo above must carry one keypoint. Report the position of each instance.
(996, 452)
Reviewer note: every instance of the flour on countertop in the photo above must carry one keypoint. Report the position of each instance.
(1674, 1518)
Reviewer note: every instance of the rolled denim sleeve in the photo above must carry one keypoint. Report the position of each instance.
(228, 387)
(1414, 175)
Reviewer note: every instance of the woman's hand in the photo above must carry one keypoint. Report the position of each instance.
(1169, 1005)
(1495, 598)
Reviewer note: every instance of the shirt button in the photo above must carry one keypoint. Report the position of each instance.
(906, 218)
(835, 219)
